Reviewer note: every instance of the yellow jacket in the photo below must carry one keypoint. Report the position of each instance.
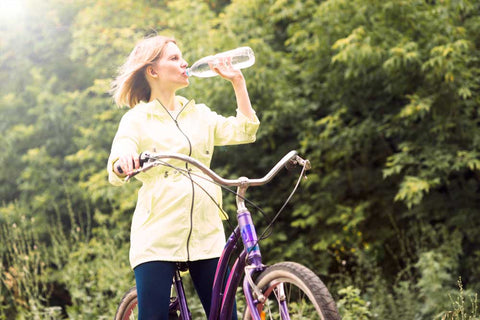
(175, 220)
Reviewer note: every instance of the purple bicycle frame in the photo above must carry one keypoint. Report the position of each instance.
(223, 293)
(249, 261)
(223, 296)
(181, 298)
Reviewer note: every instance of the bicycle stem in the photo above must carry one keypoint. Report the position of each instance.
(241, 190)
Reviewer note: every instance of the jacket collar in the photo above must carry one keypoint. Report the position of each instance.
(156, 108)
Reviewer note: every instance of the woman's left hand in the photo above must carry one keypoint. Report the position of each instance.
(225, 69)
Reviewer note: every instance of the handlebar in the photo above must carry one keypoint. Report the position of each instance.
(151, 160)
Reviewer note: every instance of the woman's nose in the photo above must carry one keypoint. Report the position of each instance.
(184, 64)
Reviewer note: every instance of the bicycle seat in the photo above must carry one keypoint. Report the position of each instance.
(182, 266)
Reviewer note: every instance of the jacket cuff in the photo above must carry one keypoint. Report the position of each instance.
(250, 126)
(113, 178)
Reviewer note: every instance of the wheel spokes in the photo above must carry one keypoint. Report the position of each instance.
(285, 301)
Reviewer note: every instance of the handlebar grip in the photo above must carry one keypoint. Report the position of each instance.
(119, 169)
(297, 161)
(290, 165)
(142, 159)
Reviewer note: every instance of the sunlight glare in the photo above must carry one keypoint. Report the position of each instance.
(11, 10)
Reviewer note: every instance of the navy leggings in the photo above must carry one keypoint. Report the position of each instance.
(154, 280)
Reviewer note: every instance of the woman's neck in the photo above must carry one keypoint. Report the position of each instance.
(167, 99)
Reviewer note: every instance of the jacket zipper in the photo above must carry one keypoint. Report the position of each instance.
(188, 171)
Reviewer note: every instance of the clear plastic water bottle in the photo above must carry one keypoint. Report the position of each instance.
(241, 58)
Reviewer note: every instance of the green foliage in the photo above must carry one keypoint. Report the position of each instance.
(435, 268)
(79, 271)
(381, 96)
(389, 301)
(93, 274)
(352, 306)
(24, 280)
(462, 309)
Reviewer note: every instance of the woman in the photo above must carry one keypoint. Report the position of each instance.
(174, 219)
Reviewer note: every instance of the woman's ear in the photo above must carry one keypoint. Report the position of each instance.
(151, 72)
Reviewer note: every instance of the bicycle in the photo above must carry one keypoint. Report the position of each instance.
(285, 290)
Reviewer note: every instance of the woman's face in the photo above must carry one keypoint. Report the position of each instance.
(171, 68)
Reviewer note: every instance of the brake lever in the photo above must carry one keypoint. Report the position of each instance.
(303, 162)
(147, 166)
(297, 160)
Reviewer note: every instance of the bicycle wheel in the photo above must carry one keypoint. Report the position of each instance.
(292, 288)
(127, 309)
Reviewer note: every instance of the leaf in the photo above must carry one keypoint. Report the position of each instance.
(412, 189)
(417, 108)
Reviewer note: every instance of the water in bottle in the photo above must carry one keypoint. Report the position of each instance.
(242, 57)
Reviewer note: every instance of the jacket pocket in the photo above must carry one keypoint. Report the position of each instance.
(143, 209)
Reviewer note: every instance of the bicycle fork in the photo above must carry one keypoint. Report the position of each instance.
(248, 262)
(247, 228)
(249, 236)
(254, 296)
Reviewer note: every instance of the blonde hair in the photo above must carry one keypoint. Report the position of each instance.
(131, 86)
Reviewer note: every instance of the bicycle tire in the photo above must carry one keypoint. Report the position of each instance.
(127, 309)
(306, 295)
